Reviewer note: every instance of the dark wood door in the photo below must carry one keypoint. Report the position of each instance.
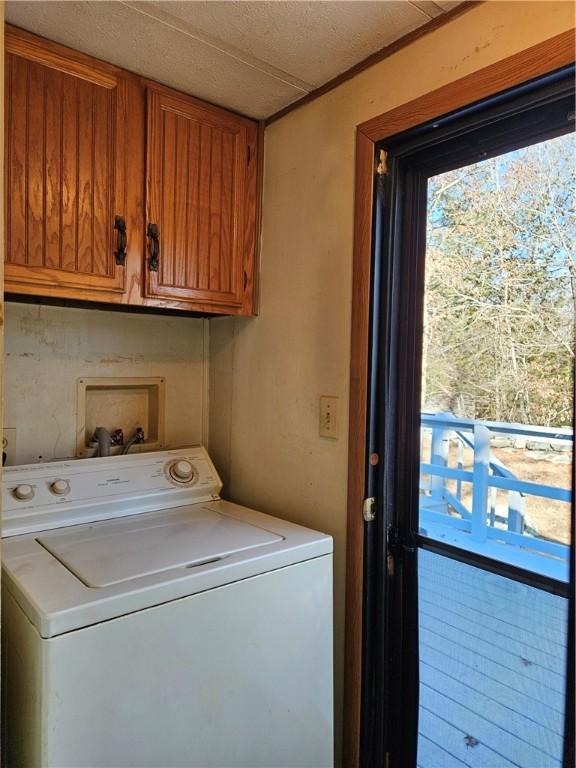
(65, 168)
(199, 197)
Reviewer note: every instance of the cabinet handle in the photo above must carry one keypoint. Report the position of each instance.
(153, 247)
(121, 241)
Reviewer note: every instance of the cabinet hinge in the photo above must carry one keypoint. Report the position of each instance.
(248, 154)
(369, 509)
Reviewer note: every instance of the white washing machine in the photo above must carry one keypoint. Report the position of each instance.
(146, 622)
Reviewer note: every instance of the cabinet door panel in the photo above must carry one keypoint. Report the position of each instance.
(64, 170)
(196, 185)
(34, 155)
(16, 165)
(53, 103)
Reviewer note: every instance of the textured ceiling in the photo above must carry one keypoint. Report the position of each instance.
(252, 57)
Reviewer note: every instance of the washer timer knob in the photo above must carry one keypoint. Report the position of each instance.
(181, 471)
(60, 487)
(24, 492)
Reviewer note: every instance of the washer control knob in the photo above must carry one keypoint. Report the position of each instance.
(182, 471)
(60, 487)
(24, 492)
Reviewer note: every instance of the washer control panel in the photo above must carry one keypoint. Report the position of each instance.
(66, 492)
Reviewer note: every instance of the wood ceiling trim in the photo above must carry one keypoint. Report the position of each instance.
(377, 57)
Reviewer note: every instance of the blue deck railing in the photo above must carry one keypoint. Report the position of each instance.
(481, 526)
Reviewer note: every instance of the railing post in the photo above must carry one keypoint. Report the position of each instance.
(439, 457)
(493, 494)
(459, 465)
(481, 473)
(515, 512)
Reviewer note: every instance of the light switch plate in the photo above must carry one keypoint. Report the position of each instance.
(329, 420)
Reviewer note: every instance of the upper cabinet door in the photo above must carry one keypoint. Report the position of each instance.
(201, 183)
(65, 169)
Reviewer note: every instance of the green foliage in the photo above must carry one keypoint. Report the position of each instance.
(501, 285)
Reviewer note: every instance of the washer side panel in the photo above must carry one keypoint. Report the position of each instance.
(23, 686)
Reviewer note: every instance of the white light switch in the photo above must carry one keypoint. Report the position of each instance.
(329, 421)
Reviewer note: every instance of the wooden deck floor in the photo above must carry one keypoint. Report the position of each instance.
(492, 656)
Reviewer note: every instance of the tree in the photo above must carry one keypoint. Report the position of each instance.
(501, 284)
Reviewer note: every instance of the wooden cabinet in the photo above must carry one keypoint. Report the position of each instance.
(87, 142)
(64, 136)
(198, 193)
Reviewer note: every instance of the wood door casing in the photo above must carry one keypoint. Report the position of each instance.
(196, 189)
(65, 169)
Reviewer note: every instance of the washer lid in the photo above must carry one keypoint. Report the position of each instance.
(111, 553)
(146, 560)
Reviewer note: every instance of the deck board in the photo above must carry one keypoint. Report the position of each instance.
(494, 595)
(452, 737)
(430, 753)
(491, 589)
(492, 655)
(493, 711)
(521, 665)
(537, 712)
(493, 670)
(475, 596)
(502, 632)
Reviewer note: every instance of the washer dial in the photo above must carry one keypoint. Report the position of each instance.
(182, 471)
(23, 492)
(60, 487)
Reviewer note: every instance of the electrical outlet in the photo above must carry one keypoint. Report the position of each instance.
(329, 426)
(9, 446)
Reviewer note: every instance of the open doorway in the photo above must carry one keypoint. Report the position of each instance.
(468, 588)
(496, 457)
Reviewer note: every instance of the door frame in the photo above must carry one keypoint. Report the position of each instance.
(539, 60)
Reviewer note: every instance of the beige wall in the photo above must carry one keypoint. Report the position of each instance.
(49, 348)
(267, 374)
